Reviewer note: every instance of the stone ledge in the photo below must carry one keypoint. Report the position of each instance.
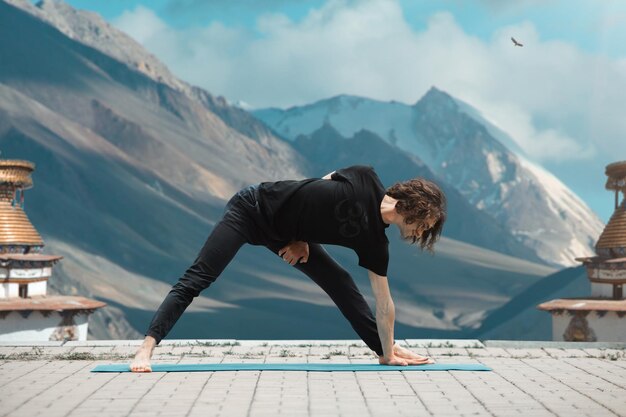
(419, 343)
(444, 343)
(27, 343)
(553, 344)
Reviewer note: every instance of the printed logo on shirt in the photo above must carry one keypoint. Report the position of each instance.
(352, 217)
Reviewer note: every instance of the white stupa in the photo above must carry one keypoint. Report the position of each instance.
(26, 312)
(601, 316)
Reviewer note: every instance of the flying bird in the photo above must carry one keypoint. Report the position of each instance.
(516, 43)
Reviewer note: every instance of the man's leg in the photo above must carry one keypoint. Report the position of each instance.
(218, 250)
(227, 236)
(339, 285)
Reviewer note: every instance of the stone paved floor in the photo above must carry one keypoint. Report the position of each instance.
(530, 379)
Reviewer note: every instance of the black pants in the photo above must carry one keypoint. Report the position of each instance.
(242, 223)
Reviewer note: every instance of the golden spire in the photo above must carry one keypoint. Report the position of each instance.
(612, 241)
(17, 234)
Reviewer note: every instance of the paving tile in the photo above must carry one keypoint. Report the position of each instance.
(5, 350)
(565, 353)
(527, 379)
(527, 353)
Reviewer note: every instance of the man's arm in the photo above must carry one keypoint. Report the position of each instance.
(297, 249)
(287, 252)
(385, 311)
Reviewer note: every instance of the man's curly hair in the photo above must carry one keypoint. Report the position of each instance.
(417, 199)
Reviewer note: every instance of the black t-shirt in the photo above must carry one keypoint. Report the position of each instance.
(342, 211)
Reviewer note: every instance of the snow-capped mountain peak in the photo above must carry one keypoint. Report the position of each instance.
(480, 160)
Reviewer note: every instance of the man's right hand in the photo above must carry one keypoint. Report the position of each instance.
(141, 362)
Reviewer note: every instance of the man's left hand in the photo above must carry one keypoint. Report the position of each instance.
(294, 251)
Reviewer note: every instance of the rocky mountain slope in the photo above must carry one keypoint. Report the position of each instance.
(327, 150)
(466, 151)
(133, 169)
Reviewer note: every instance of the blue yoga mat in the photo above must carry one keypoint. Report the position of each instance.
(325, 367)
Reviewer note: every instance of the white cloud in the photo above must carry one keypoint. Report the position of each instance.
(142, 24)
(557, 101)
(544, 144)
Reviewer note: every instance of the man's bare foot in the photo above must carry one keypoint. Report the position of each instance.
(399, 360)
(411, 357)
(141, 363)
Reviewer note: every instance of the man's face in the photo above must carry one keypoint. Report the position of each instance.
(416, 229)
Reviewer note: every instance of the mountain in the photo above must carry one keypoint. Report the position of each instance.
(463, 149)
(133, 168)
(326, 149)
(90, 29)
(129, 169)
(519, 319)
(173, 132)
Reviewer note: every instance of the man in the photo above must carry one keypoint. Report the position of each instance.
(292, 218)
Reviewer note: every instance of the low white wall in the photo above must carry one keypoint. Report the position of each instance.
(9, 289)
(604, 290)
(12, 289)
(28, 273)
(36, 327)
(37, 288)
(592, 328)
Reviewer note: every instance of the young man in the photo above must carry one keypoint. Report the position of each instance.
(292, 218)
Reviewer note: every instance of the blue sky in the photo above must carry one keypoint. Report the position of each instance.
(595, 26)
(560, 97)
